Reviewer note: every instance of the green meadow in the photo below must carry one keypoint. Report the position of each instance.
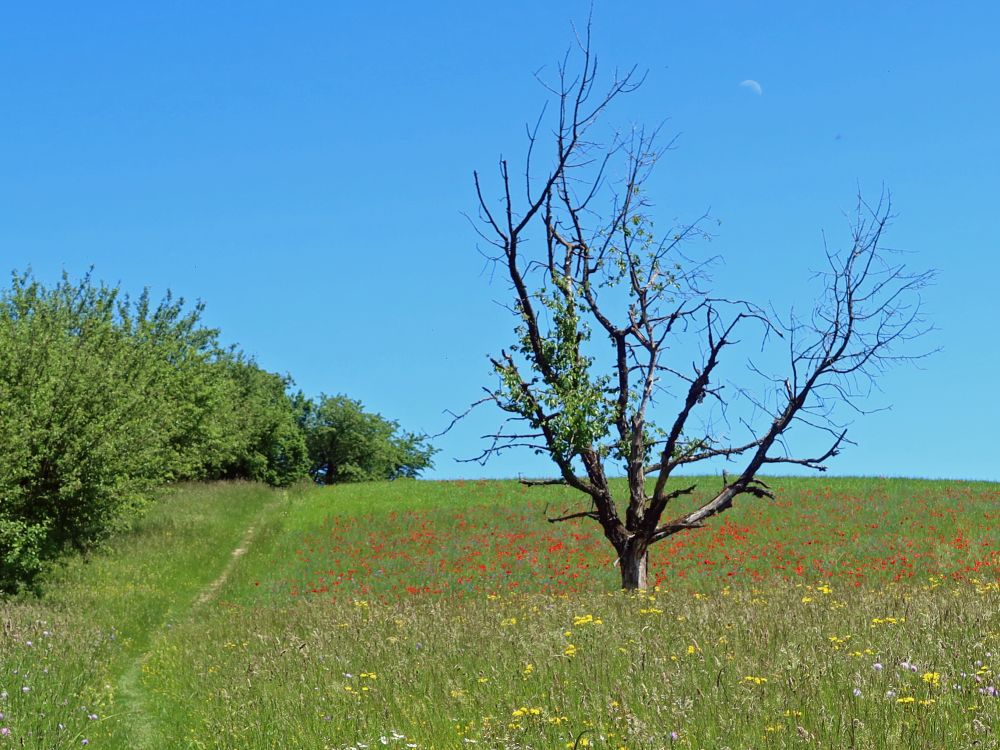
(857, 613)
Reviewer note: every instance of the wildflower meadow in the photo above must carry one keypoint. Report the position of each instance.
(855, 613)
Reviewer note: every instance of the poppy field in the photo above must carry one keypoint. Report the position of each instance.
(844, 613)
(491, 537)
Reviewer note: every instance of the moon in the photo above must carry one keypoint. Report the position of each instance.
(753, 86)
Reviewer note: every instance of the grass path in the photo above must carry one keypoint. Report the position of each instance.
(142, 730)
(212, 589)
(104, 615)
(142, 724)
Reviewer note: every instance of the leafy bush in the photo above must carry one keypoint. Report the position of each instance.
(103, 398)
(20, 552)
(81, 443)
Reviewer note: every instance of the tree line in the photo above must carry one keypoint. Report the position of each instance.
(104, 397)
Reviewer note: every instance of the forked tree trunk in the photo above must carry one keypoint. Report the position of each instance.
(634, 562)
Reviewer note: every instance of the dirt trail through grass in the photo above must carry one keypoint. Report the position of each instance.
(142, 728)
(210, 591)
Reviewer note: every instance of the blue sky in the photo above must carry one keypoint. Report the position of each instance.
(304, 168)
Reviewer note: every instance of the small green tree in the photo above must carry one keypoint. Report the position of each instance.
(348, 444)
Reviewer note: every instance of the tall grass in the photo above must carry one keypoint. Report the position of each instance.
(62, 656)
(846, 613)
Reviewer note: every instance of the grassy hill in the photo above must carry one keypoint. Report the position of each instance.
(845, 613)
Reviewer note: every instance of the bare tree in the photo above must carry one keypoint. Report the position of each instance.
(576, 270)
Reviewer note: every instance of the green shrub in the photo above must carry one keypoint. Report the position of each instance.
(20, 552)
(103, 398)
(80, 443)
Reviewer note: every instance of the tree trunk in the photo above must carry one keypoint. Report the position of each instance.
(634, 562)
